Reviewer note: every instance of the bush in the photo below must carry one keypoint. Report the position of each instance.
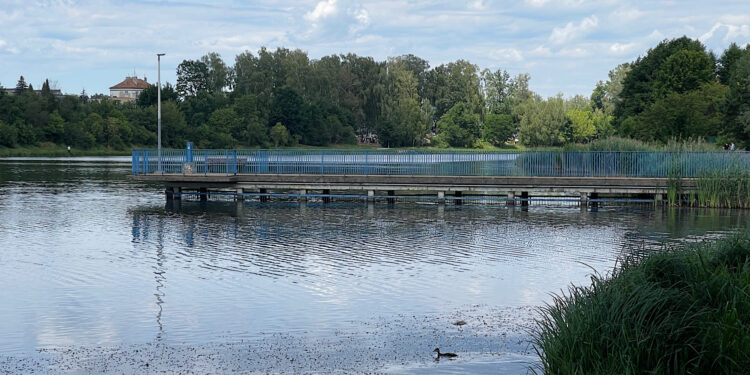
(679, 311)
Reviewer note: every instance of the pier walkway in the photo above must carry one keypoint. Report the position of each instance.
(443, 175)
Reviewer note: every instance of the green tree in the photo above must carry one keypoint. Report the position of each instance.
(21, 86)
(544, 123)
(581, 125)
(736, 127)
(402, 121)
(192, 78)
(279, 135)
(219, 75)
(498, 128)
(8, 135)
(691, 114)
(459, 127)
(655, 75)
(149, 95)
(726, 62)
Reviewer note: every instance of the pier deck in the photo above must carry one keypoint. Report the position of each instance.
(516, 175)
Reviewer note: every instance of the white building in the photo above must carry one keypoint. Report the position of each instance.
(128, 89)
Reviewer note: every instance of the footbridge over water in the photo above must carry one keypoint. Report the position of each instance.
(588, 176)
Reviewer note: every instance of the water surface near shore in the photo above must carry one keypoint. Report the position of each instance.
(94, 266)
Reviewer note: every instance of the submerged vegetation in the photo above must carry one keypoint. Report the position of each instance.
(684, 310)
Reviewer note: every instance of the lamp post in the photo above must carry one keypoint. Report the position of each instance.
(158, 110)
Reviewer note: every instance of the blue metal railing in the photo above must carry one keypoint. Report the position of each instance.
(439, 163)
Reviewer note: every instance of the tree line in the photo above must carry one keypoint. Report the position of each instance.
(281, 97)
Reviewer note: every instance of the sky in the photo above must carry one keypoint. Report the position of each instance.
(565, 45)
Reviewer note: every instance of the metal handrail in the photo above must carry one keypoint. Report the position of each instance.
(438, 162)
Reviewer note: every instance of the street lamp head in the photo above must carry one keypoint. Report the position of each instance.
(160, 54)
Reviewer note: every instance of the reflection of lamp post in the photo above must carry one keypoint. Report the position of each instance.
(158, 106)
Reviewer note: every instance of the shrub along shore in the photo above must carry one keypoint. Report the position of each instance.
(684, 310)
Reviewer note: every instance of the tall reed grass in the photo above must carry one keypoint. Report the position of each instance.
(729, 187)
(629, 144)
(680, 311)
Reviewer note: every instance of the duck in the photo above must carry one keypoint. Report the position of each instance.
(448, 355)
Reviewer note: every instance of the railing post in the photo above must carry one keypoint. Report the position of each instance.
(234, 161)
(322, 153)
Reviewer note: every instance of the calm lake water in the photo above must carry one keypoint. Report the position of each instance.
(99, 274)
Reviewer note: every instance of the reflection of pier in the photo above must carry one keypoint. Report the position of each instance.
(444, 175)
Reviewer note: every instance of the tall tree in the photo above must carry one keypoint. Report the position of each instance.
(656, 75)
(192, 78)
(21, 86)
(219, 75)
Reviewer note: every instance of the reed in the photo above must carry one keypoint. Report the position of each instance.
(729, 187)
(683, 310)
(629, 144)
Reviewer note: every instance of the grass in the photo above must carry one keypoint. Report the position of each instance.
(629, 144)
(729, 187)
(684, 310)
(50, 150)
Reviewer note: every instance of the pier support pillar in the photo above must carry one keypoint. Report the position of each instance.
(390, 194)
(239, 197)
(525, 199)
(371, 196)
(511, 198)
(441, 197)
(169, 193)
(326, 199)
(459, 194)
(594, 196)
(584, 199)
(203, 193)
(302, 195)
(263, 198)
(177, 193)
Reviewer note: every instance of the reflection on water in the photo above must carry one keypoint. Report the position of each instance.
(90, 258)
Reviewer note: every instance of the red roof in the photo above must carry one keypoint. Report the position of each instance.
(131, 83)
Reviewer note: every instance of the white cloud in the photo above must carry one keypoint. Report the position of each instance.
(621, 49)
(625, 14)
(572, 31)
(507, 55)
(732, 32)
(477, 5)
(541, 51)
(536, 3)
(324, 9)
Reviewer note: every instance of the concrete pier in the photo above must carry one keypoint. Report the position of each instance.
(368, 185)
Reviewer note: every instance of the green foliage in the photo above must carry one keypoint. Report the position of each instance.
(544, 123)
(279, 135)
(459, 127)
(8, 135)
(674, 66)
(498, 128)
(192, 78)
(679, 311)
(693, 113)
(149, 95)
(737, 111)
(729, 187)
(402, 120)
(669, 93)
(581, 124)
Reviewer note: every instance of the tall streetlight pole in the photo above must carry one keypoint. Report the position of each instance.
(158, 106)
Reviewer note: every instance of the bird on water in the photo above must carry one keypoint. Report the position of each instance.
(447, 355)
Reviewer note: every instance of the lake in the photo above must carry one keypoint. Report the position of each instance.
(101, 274)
